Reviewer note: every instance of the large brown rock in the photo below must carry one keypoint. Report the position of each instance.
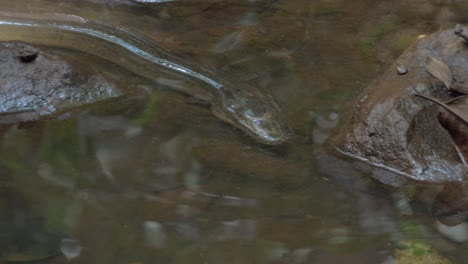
(399, 134)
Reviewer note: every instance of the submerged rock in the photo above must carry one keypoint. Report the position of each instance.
(36, 83)
(399, 134)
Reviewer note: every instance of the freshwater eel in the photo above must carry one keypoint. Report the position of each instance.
(247, 108)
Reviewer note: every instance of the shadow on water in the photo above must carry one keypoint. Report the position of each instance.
(156, 178)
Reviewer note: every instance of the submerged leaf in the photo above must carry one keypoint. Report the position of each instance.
(450, 206)
(440, 70)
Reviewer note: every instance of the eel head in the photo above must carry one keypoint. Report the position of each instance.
(255, 112)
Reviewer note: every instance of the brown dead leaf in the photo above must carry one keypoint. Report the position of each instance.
(457, 106)
(461, 88)
(453, 116)
(439, 70)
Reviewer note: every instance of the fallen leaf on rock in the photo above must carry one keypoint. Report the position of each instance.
(457, 106)
(439, 70)
(461, 88)
(453, 116)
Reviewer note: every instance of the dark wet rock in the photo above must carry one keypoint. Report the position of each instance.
(26, 58)
(136, 2)
(113, 2)
(35, 83)
(26, 53)
(461, 31)
(400, 133)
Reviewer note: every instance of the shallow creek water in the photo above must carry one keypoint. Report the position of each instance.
(158, 179)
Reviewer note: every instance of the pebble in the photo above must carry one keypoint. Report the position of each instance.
(401, 69)
(70, 248)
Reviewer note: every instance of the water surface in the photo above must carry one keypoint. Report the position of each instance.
(161, 180)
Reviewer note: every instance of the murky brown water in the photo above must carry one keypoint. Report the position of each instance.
(167, 182)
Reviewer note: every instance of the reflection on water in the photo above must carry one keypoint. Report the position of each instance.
(163, 181)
